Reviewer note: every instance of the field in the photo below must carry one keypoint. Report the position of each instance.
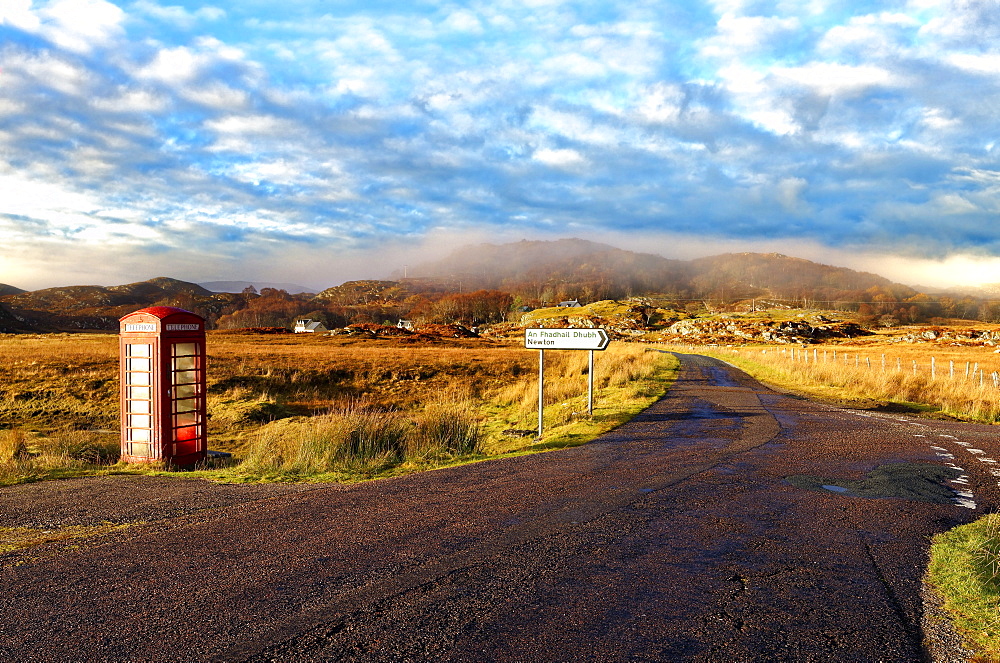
(308, 407)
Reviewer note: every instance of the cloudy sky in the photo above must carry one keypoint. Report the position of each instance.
(315, 141)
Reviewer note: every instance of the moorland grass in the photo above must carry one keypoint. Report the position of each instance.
(308, 408)
(965, 570)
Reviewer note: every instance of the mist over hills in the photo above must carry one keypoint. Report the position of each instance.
(534, 273)
(575, 268)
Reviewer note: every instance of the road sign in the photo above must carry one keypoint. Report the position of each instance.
(565, 339)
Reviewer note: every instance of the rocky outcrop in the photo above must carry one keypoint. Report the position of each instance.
(721, 330)
(952, 336)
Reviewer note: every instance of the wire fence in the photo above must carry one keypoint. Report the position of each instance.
(970, 371)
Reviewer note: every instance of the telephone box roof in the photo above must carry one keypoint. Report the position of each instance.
(161, 312)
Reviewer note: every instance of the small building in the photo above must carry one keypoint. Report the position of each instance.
(406, 324)
(309, 326)
(573, 303)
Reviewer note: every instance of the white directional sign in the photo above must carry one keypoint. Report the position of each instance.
(565, 339)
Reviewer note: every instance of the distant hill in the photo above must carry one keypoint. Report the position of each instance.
(11, 324)
(240, 286)
(784, 277)
(9, 290)
(99, 307)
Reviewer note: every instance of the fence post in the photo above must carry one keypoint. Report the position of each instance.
(933, 368)
(883, 362)
(951, 369)
(914, 366)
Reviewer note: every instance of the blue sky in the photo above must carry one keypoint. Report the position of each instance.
(320, 141)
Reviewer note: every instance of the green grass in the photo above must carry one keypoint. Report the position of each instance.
(965, 570)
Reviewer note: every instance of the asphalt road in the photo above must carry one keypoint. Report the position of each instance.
(677, 537)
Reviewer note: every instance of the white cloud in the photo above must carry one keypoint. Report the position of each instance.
(463, 20)
(661, 103)
(740, 36)
(216, 95)
(174, 66)
(178, 16)
(81, 25)
(18, 13)
(27, 73)
(559, 158)
(182, 65)
(977, 63)
(575, 65)
(131, 101)
(833, 78)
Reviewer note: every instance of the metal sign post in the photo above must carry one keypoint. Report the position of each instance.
(564, 339)
(590, 385)
(541, 389)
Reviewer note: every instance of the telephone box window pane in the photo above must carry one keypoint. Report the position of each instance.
(140, 449)
(186, 433)
(139, 393)
(186, 419)
(138, 378)
(186, 391)
(138, 434)
(139, 406)
(186, 405)
(181, 349)
(139, 421)
(184, 363)
(139, 350)
(185, 377)
(138, 364)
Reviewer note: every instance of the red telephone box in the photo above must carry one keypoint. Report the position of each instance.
(163, 386)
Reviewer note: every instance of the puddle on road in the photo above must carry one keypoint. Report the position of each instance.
(922, 482)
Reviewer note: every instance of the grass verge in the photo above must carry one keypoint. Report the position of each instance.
(965, 570)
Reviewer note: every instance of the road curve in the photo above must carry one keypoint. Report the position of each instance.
(678, 536)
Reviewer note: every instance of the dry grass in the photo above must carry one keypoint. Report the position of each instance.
(363, 440)
(289, 405)
(956, 381)
(27, 456)
(626, 376)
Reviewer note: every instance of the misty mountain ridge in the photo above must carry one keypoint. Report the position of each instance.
(575, 268)
(534, 272)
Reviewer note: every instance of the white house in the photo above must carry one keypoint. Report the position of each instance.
(308, 326)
